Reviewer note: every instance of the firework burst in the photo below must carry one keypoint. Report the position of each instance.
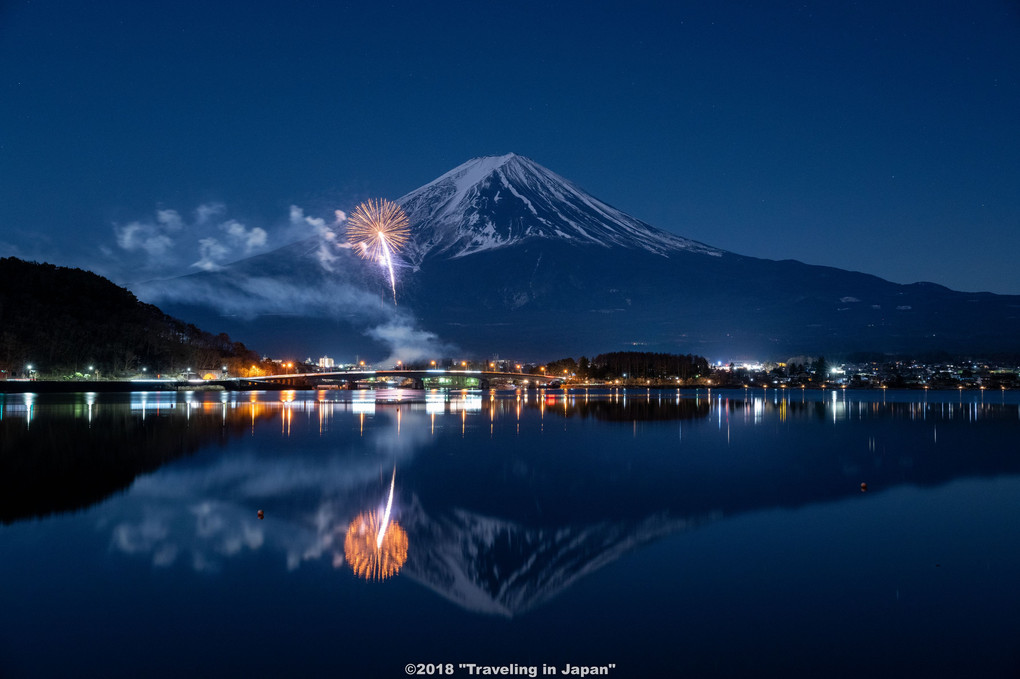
(374, 545)
(376, 231)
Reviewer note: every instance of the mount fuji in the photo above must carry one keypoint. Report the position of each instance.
(500, 201)
(506, 257)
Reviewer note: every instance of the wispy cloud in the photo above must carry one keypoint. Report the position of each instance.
(324, 281)
(240, 242)
(205, 212)
(171, 241)
(329, 234)
(212, 253)
(149, 237)
(407, 342)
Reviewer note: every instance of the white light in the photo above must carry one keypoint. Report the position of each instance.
(386, 515)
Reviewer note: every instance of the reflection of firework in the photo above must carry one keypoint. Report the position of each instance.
(375, 554)
(377, 230)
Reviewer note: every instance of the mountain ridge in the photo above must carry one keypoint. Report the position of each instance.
(507, 257)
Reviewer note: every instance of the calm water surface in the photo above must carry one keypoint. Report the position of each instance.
(648, 533)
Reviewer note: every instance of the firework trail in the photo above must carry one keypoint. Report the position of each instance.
(386, 514)
(377, 230)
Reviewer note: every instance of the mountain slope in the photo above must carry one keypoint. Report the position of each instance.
(577, 299)
(506, 257)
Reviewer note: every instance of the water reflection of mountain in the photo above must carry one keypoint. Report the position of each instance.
(66, 457)
(504, 507)
(498, 566)
(502, 536)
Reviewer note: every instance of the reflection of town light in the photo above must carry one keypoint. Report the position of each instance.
(370, 557)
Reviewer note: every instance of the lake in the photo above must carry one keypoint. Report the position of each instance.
(624, 533)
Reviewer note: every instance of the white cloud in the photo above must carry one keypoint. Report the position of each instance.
(212, 252)
(325, 257)
(249, 239)
(205, 212)
(167, 242)
(170, 219)
(147, 237)
(407, 343)
(329, 234)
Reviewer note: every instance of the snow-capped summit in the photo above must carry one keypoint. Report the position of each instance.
(495, 201)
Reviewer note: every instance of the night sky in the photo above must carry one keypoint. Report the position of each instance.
(874, 136)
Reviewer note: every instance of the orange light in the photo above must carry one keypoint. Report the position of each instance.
(367, 558)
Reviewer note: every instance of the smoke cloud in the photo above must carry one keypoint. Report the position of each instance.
(240, 241)
(330, 235)
(167, 243)
(311, 273)
(406, 342)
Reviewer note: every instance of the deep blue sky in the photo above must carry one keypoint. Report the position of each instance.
(876, 136)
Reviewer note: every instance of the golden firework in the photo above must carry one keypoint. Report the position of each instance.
(377, 229)
(370, 557)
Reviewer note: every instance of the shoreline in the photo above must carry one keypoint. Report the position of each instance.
(127, 386)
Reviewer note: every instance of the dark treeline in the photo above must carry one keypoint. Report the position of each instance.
(65, 462)
(641, 364)
(633, 365)
(62, 320)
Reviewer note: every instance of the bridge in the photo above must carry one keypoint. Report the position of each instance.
(432, 378)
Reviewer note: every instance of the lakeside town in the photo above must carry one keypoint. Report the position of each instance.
(620, 369)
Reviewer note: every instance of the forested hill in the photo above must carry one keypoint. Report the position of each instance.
(62, 320)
